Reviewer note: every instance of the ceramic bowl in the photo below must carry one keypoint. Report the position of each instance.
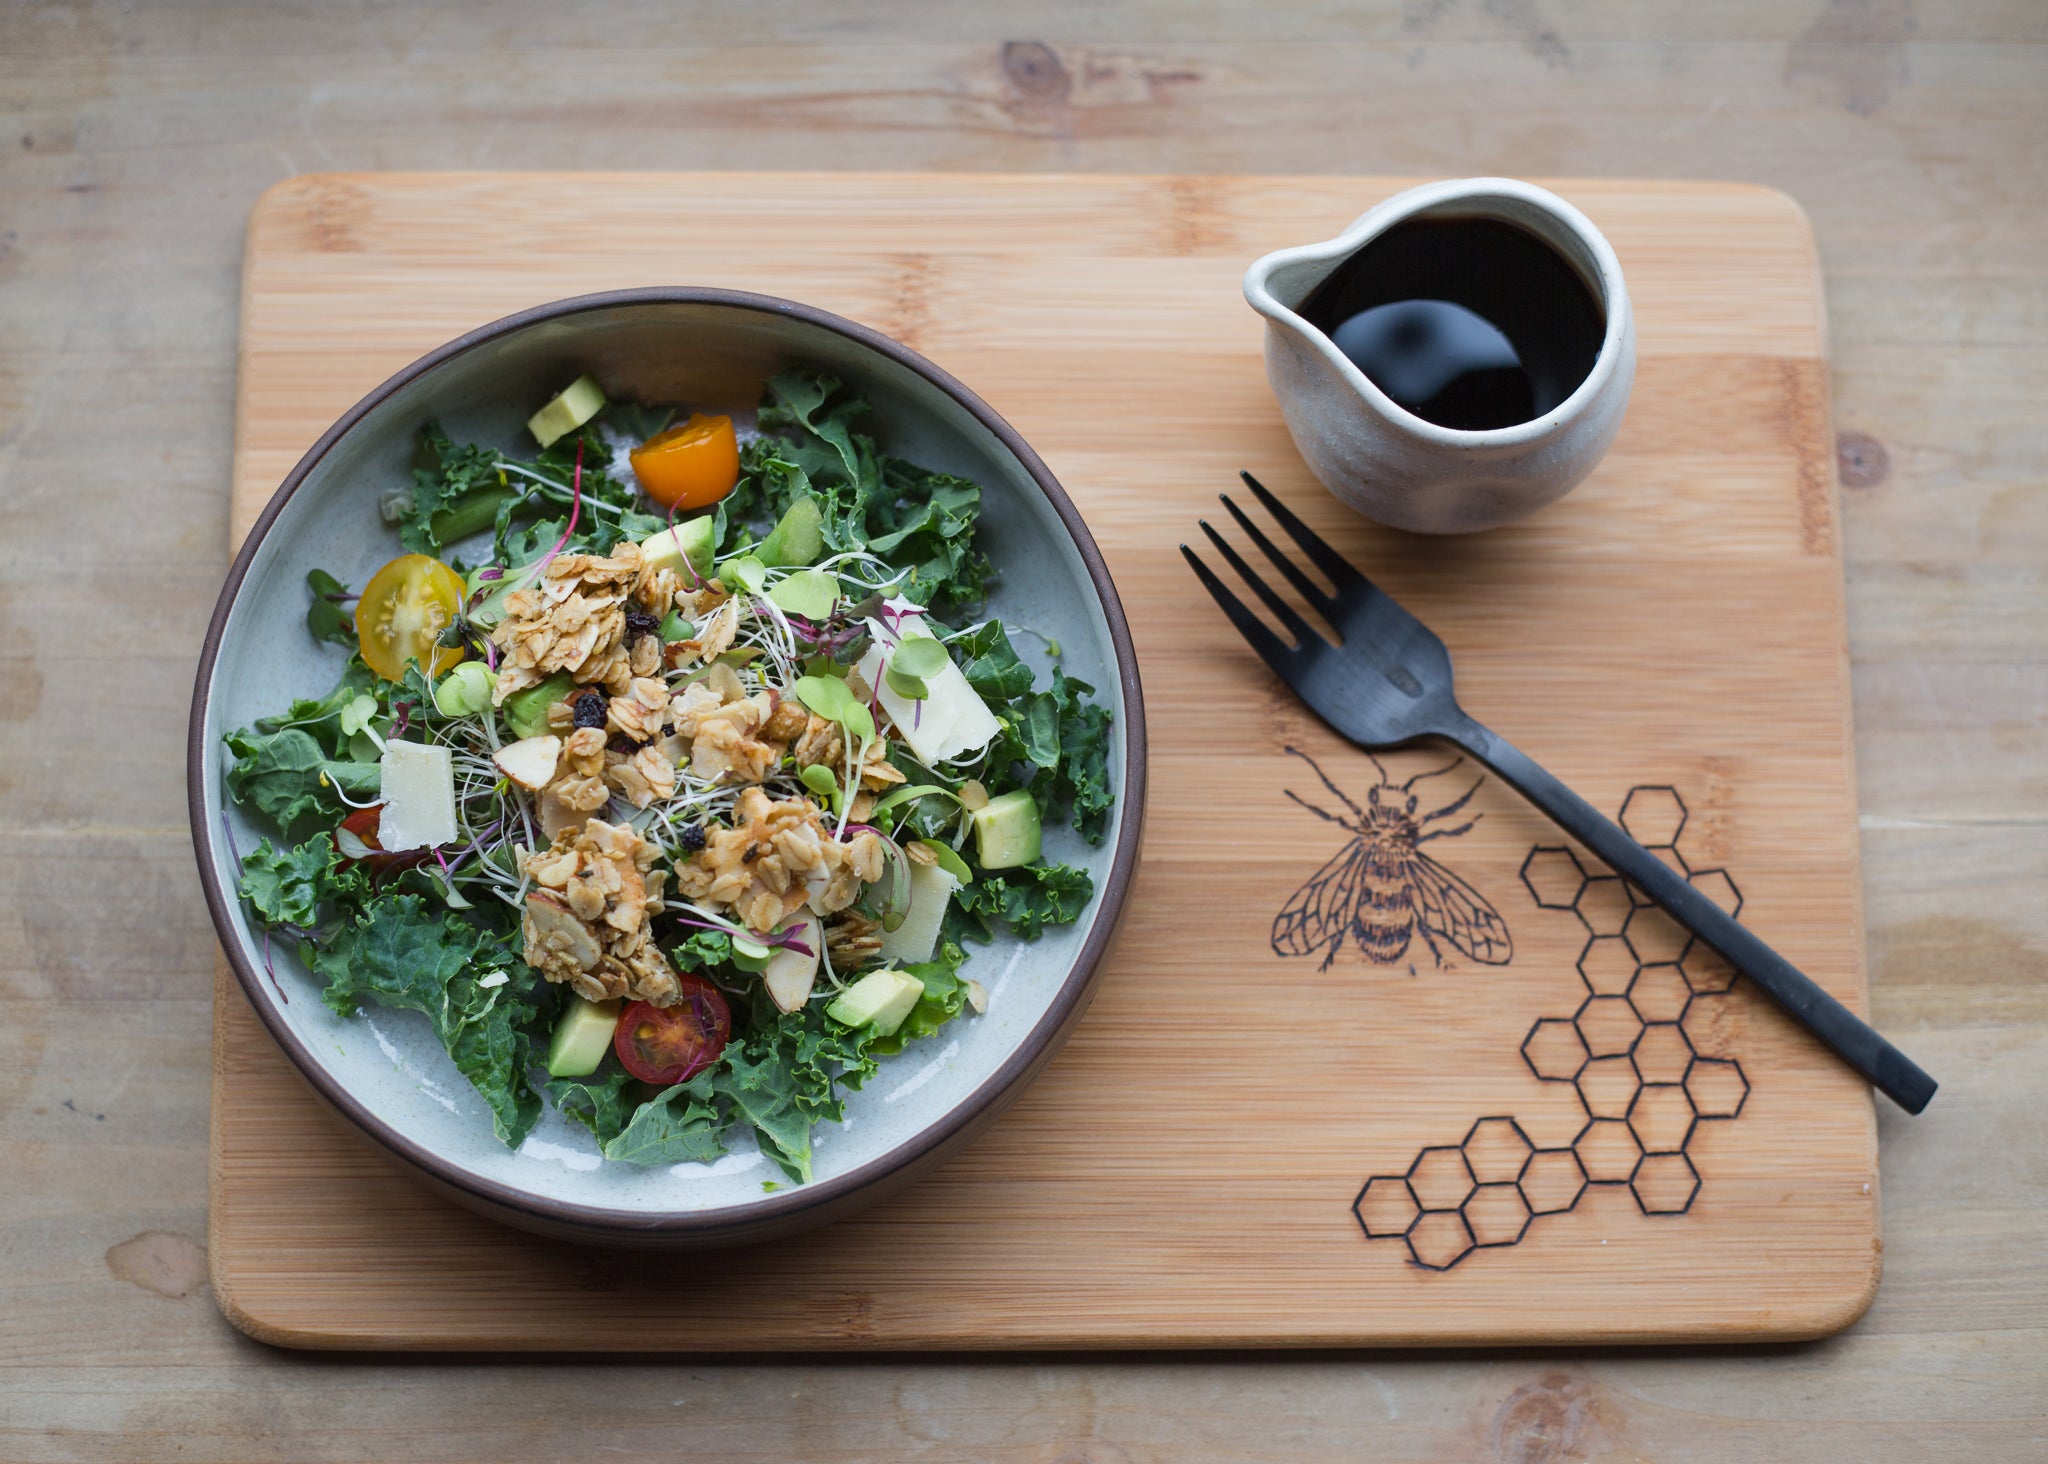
(384, 1070)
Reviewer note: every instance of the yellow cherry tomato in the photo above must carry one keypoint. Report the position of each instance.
(691, 466)
(404, 608)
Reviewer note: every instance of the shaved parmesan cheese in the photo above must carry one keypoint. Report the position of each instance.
(931, 889)
(418, 792)
(951, 721)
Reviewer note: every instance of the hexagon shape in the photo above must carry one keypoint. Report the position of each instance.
(1554, 1050)
(1440, 1240)
(1497, 1215)
(1608, 1086)
(1553, 1181)
(1607, 965)
(1659, 994)
(1496, 1150)
(1655, 937)
(1665, 1184)
(1717, 1086)
(1653, 816)
(1385, 1207)
(1663, 1053)
(1662, 1118)
(1718, 887)
(1672, 860)
(1440, 1178)
(1609, 1025)
(1554, 877)
(1604, 904)
(1607, 1151)
(1706, 970)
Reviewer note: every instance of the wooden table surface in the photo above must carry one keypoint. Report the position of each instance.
(135, 141)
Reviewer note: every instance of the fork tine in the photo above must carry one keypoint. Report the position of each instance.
(1282, 611)
(1312, 592)
(1253, 629)
(1328, 560)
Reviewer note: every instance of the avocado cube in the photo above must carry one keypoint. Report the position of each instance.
(526, 712)
(1006, 830)
(579, 401)
(880, 999)
(797, 538)
(582, 1037)
(684, 547)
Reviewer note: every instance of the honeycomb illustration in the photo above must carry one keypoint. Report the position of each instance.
(1626, 1052)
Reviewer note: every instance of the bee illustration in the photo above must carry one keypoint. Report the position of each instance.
(1382, 890)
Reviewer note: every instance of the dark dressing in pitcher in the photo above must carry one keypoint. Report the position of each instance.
(1468, 323)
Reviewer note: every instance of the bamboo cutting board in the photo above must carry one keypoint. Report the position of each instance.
(1595, 1140)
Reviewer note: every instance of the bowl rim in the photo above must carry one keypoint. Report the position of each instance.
(786, 1209)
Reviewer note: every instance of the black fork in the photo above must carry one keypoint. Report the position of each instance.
(1388, 684)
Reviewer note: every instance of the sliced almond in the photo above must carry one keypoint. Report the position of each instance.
(530, 762)
(552, 924)
(790, 975)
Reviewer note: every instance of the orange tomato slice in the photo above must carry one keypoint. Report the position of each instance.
(404, 608)
(690, 466)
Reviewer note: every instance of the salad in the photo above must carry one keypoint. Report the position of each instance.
(670, 771)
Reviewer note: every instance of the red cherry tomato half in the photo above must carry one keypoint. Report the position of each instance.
(672, 1044)
(363, 823)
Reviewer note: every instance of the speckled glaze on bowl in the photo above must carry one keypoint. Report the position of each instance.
(385, 1071)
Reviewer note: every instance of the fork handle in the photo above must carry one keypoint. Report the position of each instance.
(1889, 1070)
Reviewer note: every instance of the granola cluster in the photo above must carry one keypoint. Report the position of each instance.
(574, 620)
(589, 919)
(623, 734)
(579, 619)
(776, 858)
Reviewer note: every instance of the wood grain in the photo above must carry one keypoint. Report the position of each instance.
(1183, 1174)
(139, 137)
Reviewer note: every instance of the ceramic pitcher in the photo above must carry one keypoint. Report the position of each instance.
(1396, 467)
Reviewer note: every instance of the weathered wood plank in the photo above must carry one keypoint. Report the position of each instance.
(135, 141)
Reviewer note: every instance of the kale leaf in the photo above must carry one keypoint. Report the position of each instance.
(288, 775)
(991, 664)
(1053, 742)
(1081, 781)
(763, 1088)
(778, 1080)
(460, 489)
(704, 948)
(288, 886)
(913, 519)
(451, 483)
(1026, 899)
(684, 1124)
(325, 617)
(604, 1105)
(399, 953)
